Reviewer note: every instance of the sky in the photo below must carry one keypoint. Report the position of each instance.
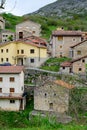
(21, 7)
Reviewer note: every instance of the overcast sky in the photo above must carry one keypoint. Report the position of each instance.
(21, 7)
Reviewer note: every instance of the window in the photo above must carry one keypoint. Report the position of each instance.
(78, 52)
(20, 35)
(51, 106)
(74, 39)
(32, 60)
(1, 50)
(12, 101)
(12, 79)
(7, 50)
(1, 79)
(83, 60)
(60, 38)
(22, 51)
(7, 59)
(60, 46)
(63, 68)
(17, 51)
(45, 95)
(80, 69)
(1, 59)
(33, 32)
(0, 90)
(12, 89)
(32, 51)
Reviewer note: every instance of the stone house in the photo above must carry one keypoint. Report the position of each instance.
(77, 66)
(27, 52)
(6, 35)
(62, 40)
(78, 50)
(12, 88)
(52, 96)
(27, 28)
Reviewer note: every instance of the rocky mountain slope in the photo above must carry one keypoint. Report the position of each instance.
(64, 8)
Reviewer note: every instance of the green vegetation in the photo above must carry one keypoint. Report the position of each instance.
(48, 24)
(53, 64)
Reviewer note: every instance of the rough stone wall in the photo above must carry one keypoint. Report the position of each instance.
(51, 97)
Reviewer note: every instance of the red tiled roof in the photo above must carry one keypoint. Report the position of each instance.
(78, 44)
(11, 69)
(66, 33)
(64, 84)
(66, 64)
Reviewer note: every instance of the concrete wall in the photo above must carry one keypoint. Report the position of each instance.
(6, 105)
(51, 97)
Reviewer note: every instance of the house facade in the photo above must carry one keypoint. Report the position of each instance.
(78, 50)
(6, 36)
(77, 66)
(52, 96)
(62, 40)
(12, 88)
(27, 28)
(24, 53)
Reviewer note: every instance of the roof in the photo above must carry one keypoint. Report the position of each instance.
(24, 42)
(11, 69)
(66, 64)
(64, 84)
(28, 21)
(11, 97)
(78, 44)
(78, 59)
(69, 63)
(66, 33)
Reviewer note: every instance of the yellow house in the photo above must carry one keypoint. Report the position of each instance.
(23, 53)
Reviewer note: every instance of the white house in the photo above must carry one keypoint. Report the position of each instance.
(12, 88)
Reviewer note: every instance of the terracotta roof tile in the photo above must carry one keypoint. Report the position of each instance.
(11, 69)
(64, 84)
(66, 33)
(74, 60)
(66, 64)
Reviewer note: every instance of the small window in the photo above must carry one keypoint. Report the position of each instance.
(1, 79)
(0, 90)
(45, 95)
(12, 79)
(63, 68)
(22, 51)
(74, 39)
(17, 51)
(60, 38)
(1, 50)
(32, 51)
(7, 59)
(80, 69)
(12, 101)
(7, 50)
(83, 61)
(79, 52)
(51, 106)
(33, 32)
(12, 89)
(1, 59)
(54, 94)
(32, 60)
(60, 46)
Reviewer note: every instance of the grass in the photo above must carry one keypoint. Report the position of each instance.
(53, 64)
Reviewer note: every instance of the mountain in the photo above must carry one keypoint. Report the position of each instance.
(64, 8)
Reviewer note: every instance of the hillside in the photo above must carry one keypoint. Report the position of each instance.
(64, 8)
